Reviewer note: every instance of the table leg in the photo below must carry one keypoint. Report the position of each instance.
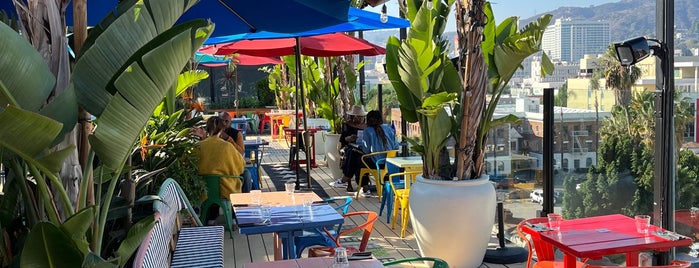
(569, 261)
(277, 247)
(632, 258)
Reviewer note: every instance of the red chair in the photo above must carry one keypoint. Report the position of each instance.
(673, 264)
(367, 226)
(544, 251)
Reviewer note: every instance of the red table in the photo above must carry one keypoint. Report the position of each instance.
(595, 237)
(291, 134)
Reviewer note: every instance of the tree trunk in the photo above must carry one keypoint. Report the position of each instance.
(474, 87)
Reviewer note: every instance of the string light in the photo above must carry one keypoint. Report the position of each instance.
(384, 15)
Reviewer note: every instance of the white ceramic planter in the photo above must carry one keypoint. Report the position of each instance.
(453, 220)
(332, 155)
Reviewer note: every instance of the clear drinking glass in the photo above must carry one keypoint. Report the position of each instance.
(340, 258)
(289, 187)
(266, 214)
(555, 221)
(642, 223)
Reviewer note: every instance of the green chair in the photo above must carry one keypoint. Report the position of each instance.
(437, 263)
(213, 193)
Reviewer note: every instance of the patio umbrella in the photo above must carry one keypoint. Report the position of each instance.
(359, 20)
(235, 16)
(240, 59)
(326, 45)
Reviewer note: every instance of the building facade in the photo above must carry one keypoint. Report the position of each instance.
(568, 40)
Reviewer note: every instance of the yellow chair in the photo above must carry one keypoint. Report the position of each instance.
(374, 171)
(400, 198)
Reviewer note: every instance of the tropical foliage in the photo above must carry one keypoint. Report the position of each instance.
(122, 74)
(625, 161)
(448, 104)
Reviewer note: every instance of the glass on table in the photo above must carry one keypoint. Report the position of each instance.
(642, 223)
(554, 221)
(340, 259)
(289, 187)
(266, 214)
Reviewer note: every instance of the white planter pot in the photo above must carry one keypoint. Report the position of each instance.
(319, 142)
(332, 155)
(453, 220)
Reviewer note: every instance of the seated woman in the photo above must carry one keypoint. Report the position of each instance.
(351, 161)
(217, 156)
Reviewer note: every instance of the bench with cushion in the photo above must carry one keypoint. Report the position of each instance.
(170, 245)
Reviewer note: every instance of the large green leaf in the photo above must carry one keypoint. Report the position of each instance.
(408, 102)
(63, 108)
(112, 49)
(77, 225)
(133, 239)
(141, 88)
(50, 248)
(37, 134)
(27, 79)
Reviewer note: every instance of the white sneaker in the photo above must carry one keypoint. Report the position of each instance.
(365, 194)
(338, 183)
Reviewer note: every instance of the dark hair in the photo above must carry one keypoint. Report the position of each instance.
(214, 125)
(374, 119)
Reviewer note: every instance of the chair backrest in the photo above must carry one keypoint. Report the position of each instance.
(174, 200)
(367, 226)
(386, 154)
(342, 207)
(544, 251)
(154, 251)
(436, 262)
(408, 176)
(673, 264)
(213, 184)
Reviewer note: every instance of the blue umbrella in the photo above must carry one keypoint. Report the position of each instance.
(359, 20)
(237, 16)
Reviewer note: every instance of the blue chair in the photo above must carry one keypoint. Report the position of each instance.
(313, 237)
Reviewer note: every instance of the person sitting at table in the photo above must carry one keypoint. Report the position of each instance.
(350, 162)
(217, 156)
(231, 134)
(378, 137)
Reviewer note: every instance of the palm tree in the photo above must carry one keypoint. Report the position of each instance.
(618, 78)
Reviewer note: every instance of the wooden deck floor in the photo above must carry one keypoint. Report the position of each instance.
(385, 242)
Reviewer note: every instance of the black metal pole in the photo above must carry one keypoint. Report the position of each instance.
(403, 34)
(362, 79)
(664, 182)
(379, 98)
(548, 152)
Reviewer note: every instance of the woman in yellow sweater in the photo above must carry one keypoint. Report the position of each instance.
(217, 156)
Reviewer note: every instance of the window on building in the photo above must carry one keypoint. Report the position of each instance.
(565, 164)
(589, 129)
(588, 162)
(588, 144)
(576, 163)
(565, 146)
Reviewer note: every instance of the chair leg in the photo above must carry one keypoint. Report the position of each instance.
(228, 214)
(404, 217)
(396, 204)
(379, 185)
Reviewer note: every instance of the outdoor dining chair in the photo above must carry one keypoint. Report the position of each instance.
(436, 262)
(375, 172)
(213, 193)
(544, 252)
(673, 264)
(401, 197)
(365, 227)
(316, 236)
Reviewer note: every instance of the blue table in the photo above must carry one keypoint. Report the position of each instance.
(287, 221)
(253, 152)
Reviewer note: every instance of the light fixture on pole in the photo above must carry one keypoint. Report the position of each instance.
(632, 51)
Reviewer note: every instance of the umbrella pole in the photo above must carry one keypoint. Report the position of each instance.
(303, 112)
(297, 54)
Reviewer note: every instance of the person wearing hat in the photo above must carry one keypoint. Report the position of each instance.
(351, 158)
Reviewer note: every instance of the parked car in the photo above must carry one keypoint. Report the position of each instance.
(501, 183)
(537, 196)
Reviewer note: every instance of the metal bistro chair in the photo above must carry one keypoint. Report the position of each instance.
(213, 193)
(365, 227)
(401, 198)
(544, 251)
(436, 262)
(316, 236)
(377, 173)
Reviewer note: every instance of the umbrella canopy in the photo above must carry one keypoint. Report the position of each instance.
(235, 16)
(239, 59)
(359, 20)
(326, 45)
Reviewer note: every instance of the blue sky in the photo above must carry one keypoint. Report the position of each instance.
(507, 8)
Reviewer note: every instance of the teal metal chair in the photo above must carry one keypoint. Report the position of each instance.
(316, 237)
(213, 193)
(436, 262)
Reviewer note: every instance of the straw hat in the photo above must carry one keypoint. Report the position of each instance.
(357, 110)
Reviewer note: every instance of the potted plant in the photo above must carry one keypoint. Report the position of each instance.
(452, 105)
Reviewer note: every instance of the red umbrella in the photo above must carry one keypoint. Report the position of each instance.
(326, 45)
